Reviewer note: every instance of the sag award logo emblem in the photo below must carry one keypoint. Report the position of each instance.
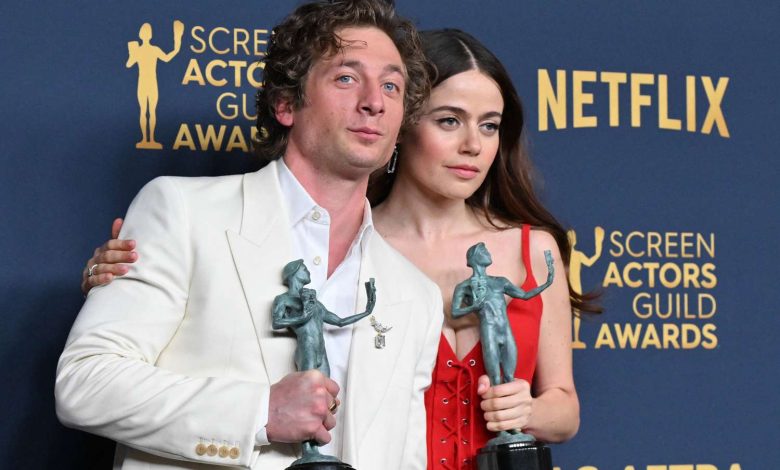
(145, 55)
(577, 260)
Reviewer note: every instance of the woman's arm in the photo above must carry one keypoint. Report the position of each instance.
(555, 409)
(107, 260)
(549, 412)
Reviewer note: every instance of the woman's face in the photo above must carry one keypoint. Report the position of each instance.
(449, 152)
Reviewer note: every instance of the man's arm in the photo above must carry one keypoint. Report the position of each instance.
(107, 382)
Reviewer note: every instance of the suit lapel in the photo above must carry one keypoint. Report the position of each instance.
(261, 250)
(259, 253)
(370, 369)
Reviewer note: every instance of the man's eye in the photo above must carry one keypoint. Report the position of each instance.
(448, 122)
(390, 86)
(345, 79)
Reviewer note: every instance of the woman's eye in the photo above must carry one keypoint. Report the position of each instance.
(490, 127)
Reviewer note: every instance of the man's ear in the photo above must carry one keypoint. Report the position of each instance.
(283, 112)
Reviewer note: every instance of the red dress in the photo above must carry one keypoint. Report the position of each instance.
(456, 426)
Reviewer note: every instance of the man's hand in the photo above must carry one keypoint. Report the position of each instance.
(506, 406)
(299, 408)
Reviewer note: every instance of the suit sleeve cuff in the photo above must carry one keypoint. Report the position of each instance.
(261, 438)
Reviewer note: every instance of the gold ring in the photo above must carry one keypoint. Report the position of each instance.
(333, 406)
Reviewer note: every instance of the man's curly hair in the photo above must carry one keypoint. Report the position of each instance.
(310, 33)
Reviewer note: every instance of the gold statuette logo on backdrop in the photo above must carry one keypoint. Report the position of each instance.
(662, 289)
(145, 56)
(577, 260)
(221, 69)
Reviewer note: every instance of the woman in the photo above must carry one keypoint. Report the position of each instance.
(462, 176)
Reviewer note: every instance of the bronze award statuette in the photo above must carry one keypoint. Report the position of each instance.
(299, 310)
(484, 295)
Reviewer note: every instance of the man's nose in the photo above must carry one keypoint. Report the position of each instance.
(372, 101)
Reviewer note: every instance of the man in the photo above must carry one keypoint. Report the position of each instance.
(178, 360)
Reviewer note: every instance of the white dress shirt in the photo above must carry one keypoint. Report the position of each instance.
(310, 228)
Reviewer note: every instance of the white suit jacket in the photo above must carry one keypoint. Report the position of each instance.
(175, 356)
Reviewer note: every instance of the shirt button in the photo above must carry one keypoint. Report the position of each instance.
(212, 450)
(317, 260)
(200, 449)
(316, 215)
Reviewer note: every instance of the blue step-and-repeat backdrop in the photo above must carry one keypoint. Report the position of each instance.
(654, 122)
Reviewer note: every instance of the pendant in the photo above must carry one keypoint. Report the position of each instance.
(379, 339)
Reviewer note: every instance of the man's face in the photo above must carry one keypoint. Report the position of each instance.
(353, 107)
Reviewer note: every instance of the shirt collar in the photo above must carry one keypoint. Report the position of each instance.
(296, 198)
(300, 205)
(367, 228)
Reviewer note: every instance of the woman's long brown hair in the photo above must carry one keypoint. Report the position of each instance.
(507, 196)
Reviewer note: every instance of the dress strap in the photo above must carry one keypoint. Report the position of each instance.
(526, 253)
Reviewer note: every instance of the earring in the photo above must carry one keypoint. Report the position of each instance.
(393, 161)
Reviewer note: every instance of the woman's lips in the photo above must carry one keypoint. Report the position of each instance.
(464, 171)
